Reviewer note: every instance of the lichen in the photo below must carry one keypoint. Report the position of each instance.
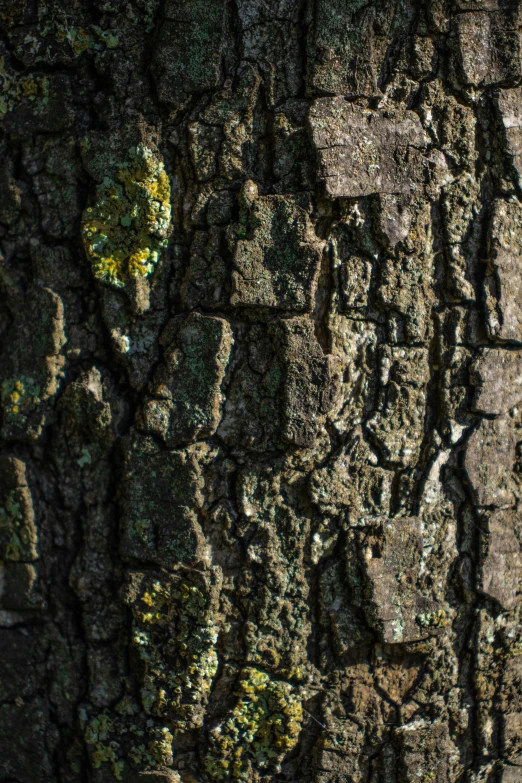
(157, 751)
(99, 733)
(16, 88)
(81, 40)
(436, 619)
(116, 740)
(85, 458)
(261, 729)
(126, 228)
(55, 38)
(174, 635)
(19, 397)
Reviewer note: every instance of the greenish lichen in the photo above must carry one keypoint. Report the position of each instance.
(16, 88)
(261, 729)
(85, 458)
(80, 40)
(99, 733)
(174, 634)
(115, 740)
(126, 228)
(156, 752)
(56, 38)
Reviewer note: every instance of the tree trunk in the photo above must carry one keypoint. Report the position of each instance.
(261, 386)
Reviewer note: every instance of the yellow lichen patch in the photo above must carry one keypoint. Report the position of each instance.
(126, 228)
(436, 619)
(261, 729)
(19, 397)
(174, 634)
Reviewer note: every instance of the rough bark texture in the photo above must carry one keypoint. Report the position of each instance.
(261, 386)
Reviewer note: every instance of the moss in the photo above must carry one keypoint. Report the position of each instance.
(126, 228)
(261, 729)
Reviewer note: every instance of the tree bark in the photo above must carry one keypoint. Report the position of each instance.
(261, 385)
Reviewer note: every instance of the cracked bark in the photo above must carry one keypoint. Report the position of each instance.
(260, 385)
